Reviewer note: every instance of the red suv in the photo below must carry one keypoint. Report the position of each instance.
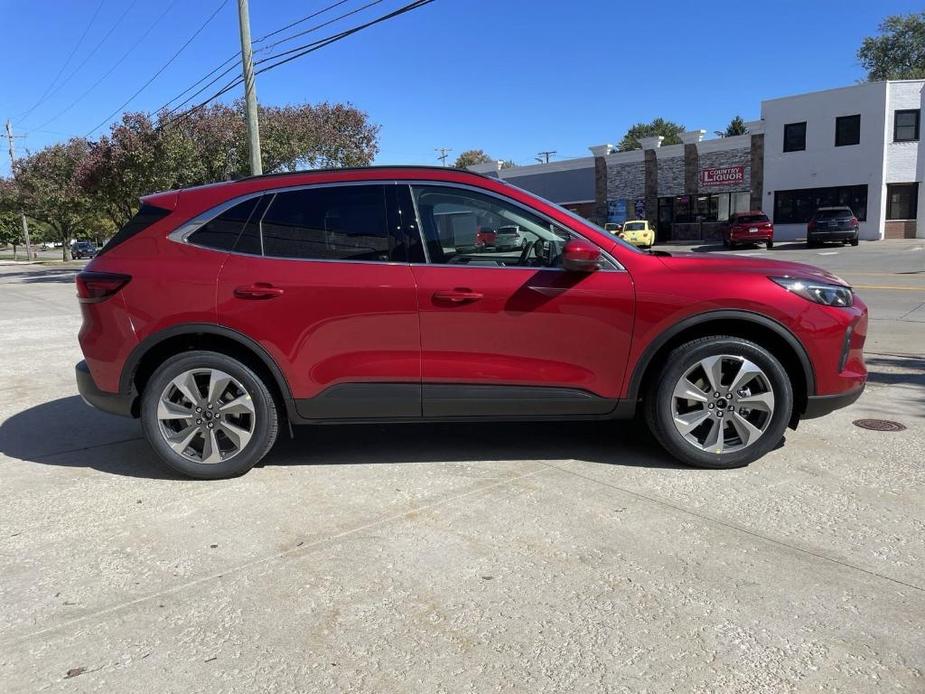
(220, 314)
(748, 227)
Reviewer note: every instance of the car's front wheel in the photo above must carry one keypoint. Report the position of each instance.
(207, 415)
(721, 402)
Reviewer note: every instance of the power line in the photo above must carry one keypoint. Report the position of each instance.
(544, 157)
(67, 62)
(112, 69)
(162, 68)
(444, 152)
(305, 49)
(261, 50)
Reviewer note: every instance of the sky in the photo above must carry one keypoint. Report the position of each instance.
(512, 77)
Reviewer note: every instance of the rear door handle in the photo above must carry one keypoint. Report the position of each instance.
(258, 290)
(457, 296)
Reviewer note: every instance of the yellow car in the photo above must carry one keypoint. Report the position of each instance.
(639, 233)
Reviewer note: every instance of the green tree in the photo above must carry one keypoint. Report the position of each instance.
(736, 127)
(659, 126)
(898, 53)
(471, 157)
(49, 192)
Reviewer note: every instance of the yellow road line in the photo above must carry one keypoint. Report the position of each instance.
(884, 286)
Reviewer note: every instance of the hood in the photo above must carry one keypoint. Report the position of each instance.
(763, 266)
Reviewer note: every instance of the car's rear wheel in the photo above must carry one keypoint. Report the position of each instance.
(207, 415)
(854, 241)
(769, 244)
(721, 402)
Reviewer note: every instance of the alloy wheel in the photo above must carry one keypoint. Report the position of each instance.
(722, 404)
(206, 415)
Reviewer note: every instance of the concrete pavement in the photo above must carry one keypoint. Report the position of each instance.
(459, 558)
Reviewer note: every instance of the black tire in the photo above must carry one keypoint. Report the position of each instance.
(658, 401)
(855, 241)
(769, 244)
(812, 244)
(265, 424)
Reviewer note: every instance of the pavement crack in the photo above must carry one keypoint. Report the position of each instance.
(297, 550)
(737, 528)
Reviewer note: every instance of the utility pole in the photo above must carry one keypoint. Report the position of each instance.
(250, 91)
(25, 224)
(444, 153)
(543, 157)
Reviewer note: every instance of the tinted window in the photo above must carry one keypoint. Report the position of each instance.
(795, 137)
(833, 214)
(798, 206)
(222, 232)
(902, 200)
(145, 217)
(847, 130)
(328, 223)
(906, 125)
(749, 219)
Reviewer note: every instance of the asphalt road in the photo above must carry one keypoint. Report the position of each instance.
(455, 558)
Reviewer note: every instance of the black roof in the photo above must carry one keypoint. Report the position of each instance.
(364, 168)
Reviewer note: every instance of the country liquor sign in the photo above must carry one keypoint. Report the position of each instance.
(725, 176)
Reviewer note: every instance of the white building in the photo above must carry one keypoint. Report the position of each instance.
(858, 146)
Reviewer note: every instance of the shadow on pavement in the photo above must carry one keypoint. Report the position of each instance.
(59, 275)
(778, 246)
(69, 433)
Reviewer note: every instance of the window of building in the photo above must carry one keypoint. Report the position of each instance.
(795, 137)
(328, 223)
(798, 206)
(470, 229)
(222, 232)
(902, 200)
(847, 130)
(906, 125)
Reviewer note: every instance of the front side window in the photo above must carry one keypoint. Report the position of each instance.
(328, 223)
(902, 200)
(847, 130)
(462, 227)
(906, 125)
(795, 137)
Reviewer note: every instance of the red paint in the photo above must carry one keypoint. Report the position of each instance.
(337, 322)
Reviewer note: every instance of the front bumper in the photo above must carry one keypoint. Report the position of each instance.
(821, 405)
(113, 403)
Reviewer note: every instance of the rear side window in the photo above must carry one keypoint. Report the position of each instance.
(222, 232)
(328, 223)
(145, 217)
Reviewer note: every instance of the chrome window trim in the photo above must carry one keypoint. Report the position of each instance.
(182, 233)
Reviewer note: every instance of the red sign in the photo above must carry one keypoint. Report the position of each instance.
(726, 176)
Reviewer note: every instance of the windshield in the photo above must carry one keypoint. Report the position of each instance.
(834, 214)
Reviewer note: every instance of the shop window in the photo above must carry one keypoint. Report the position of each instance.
(797, 206)
(906, 125)
(847, 130)
(795, 137)
(902, 200)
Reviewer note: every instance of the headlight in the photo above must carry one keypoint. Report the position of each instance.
(819, 292)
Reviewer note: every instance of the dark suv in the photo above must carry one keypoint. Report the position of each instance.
(83, 249)
(832, 224)
(223, 313)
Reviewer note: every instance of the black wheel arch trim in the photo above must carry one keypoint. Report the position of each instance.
(130, 368)
(721, 314)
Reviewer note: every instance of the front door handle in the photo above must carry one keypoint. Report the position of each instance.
(258, 290)
(457, 296)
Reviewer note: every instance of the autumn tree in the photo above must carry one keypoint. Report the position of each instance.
(898, 53)
(472, 157)
(49, 192)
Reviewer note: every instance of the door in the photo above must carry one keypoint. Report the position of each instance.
(320, 279)
(506, 331)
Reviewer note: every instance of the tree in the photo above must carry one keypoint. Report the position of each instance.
(49, 192)
(659, 126)
(736, 127)
(899, 52)
(10, 224)
(471, 157)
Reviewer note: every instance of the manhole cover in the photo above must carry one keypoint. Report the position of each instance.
(879, 425)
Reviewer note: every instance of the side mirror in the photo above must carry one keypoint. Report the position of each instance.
(581, 256)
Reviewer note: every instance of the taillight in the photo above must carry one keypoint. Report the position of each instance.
(811, 226)
(93, 287)
(854, 221)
